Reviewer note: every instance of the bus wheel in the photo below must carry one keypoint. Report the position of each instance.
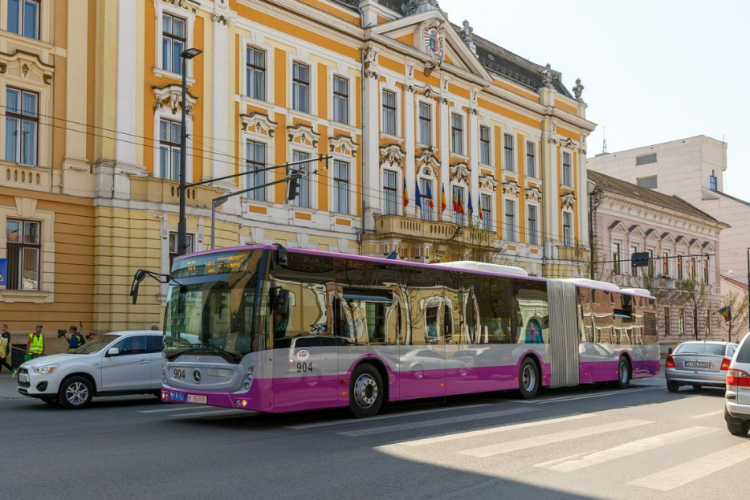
(623, 373)
(528, 380)
(365, 391)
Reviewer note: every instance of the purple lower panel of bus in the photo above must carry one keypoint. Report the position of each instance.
(646, 368)
(605, 371)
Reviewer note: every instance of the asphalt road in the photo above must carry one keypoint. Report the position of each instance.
(589, 442)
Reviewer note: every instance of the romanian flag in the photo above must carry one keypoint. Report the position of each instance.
(471, 207)
(460, 202)
(406, 195)
(429, 196)
(443, 203)
(455, 201)
(480, 207)
(419, 197)
(726, 313)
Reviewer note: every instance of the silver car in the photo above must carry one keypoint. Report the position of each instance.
(699, 364)
(737, 397)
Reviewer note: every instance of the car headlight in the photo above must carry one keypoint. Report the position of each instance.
(45, 369)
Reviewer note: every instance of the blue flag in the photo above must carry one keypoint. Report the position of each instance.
(471, 207)
(419, 197)
(393, 255)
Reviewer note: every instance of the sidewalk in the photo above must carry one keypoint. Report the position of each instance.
(9, 387)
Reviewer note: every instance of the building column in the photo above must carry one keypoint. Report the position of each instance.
(126, 92)
(444, 135)
(76, 93)
(474, 159)
(220, 104)
(409, 172)
(370, 138)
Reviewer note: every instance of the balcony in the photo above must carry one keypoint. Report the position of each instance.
(396, 226)
(26, 177)
(167, 191)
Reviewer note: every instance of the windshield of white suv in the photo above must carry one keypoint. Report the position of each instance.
(96, 345)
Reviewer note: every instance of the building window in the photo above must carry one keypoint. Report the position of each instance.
(633, 269)
(457, 134)
(531, 159)
(712, 181)
(256, 163)
(616, 258)
(303, 200)
(340, 100)
(682, 321)
(301, 87)
(169, 150)
(705, 271)
(425, 124)
(532, 225)
(459, 207)
(23, 18)
(256, 74)
(173, 43)
(693, 272)
(649, 182)
(567, 229)
(510, 220)
(651, 262)
(486, 212)
(567, 170)
(484, 145)
(425, 191)
(24, 249)
(665, 264)
(644, 160)
(341, 187)
(390, 190)
(173, 246)
(508, 150)
(389, 112)
(21, 126)
(667, 321)
(679, 267)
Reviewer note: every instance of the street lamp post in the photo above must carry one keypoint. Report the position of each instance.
(182, 223)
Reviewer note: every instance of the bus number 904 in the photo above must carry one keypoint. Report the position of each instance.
(179, 373)
(304, 367)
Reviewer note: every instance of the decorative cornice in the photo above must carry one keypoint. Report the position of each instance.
(255, 122)
(392, 155)
(568, 200)
(487, 181)
(172, 94)
(220, 19)
(370, 59)
(460, 172)
(184, 4)
(511, 188)
(567, 143)
(427, 158)
(303, 133)
(533, 194)
(345, 144)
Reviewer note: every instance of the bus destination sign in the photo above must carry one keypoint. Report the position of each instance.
(207, 265)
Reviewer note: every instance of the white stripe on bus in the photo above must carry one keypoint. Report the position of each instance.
(532, 442)
(578, 462)
(688, 472)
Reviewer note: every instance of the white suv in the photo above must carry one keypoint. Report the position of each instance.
(737, 397)
(113, 364)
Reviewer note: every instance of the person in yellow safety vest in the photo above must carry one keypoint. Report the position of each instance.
(35, 344)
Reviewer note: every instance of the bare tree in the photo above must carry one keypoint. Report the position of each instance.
(697, 303)
(472, 242)
(737, 304)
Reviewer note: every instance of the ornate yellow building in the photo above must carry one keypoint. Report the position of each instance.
(405, 102)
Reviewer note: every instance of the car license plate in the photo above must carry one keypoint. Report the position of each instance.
(696, 364)
(193, 398)
(22, 377)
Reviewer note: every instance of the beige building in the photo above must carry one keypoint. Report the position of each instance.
(401, 101)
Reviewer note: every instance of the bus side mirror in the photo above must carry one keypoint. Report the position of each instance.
(282, 302)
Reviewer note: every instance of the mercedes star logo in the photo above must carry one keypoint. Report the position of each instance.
(197, 376)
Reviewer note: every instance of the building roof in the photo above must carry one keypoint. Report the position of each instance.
(739, 284)
(613, 185)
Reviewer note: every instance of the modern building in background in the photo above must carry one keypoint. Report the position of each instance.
(692, 169)
(443, 145)
(683, 244)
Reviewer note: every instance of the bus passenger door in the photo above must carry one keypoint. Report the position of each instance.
(422, 352)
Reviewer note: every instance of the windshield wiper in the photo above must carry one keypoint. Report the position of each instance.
(196, 348)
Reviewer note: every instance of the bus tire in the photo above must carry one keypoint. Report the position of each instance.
(528, 379)
(366, 391)
(624, 374)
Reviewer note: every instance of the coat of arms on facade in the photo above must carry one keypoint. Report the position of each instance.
(433, 42)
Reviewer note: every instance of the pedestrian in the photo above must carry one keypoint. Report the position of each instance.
(75, 339)
(5, 357)
(155, 328)
(35, 344)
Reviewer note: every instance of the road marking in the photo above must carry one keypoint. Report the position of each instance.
(494, 430)
(212, 413)
(381, 417)
(710, 414)
(563, 399)
(577, 462)
(683, 474)
(178, 408)
(432, 423)
(523, 444)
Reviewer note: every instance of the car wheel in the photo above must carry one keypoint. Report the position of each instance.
(366, 391)
(76, 393)
(50, 401)
(697, 387)
(672, 386)
(623, 373)
(739, 429)
(528, 379)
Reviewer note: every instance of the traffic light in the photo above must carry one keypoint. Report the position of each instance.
(292, 188)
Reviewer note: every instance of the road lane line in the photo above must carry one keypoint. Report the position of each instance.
(627, 449)
(709, 414)
(494, 430)
(523, 444)
(688, 472)
(563, 399)
(178, 408)
(381, 417)
(435, 422)
(212, 413)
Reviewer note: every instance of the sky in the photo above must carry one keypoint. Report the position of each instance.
(653, 70)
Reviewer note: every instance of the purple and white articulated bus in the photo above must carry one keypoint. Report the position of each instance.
(269, 329)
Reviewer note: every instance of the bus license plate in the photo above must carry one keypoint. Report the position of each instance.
(696, 364)
(193, 398)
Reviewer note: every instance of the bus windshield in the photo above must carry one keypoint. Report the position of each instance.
(211, 311)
